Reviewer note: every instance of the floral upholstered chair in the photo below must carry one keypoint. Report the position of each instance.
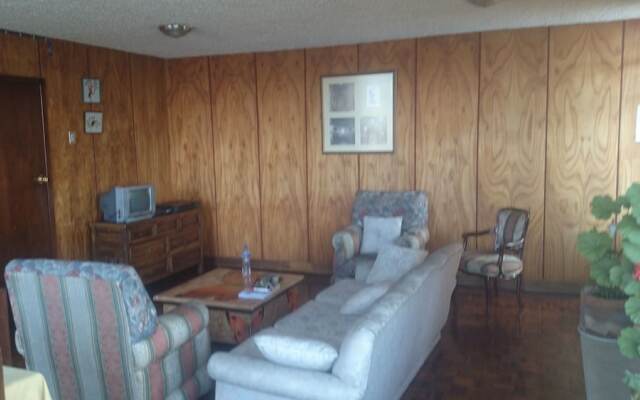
(505, 261)
(411, 206)
(92, 331)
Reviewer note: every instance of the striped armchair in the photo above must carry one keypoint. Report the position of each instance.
(91, 329)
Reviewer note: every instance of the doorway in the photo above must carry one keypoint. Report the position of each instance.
(25, 209)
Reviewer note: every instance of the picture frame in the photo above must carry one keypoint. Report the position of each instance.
(358, 113)
(93, 122)
(91, 90)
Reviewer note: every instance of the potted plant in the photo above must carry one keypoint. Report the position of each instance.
(610, 306)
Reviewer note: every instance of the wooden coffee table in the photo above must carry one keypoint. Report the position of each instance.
(233, 320)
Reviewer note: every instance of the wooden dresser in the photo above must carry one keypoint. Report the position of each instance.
(156, 247)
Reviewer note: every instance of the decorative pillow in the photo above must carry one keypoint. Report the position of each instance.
(393, 262)
(296, 352)
(379, 232)
(364, 298)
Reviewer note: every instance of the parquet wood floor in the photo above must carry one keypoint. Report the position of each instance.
(534, 354)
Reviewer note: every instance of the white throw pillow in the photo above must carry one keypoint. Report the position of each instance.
(296, 352)
(393, 262)
(379, 232)
(364, 298)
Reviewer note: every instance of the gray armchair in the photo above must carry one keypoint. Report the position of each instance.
(412, 206)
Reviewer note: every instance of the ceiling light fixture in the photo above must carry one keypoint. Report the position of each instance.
(175, 30)
(482, 3)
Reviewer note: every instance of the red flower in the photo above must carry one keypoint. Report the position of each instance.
(636, 272)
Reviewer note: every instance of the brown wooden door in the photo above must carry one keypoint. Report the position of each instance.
(25, 215)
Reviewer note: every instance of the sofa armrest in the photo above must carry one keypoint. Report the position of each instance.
(174, 329)
(264, 376)
(346, 244)
(414, 239)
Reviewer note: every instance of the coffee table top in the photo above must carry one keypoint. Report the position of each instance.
(219, 289)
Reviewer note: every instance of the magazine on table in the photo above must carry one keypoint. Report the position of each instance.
(262, 288)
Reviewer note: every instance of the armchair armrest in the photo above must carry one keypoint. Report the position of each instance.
(174, 329)
(346, 244)
(414, 239)
(279, 380)
(467, 235)
(514, 245)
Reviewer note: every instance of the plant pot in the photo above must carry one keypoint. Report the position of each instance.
(600, 323)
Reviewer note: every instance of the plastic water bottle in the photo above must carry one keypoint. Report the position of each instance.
(246, 267)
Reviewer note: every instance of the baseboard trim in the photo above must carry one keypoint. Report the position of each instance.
(571, 289)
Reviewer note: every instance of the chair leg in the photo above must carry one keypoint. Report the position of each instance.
(495, 286)
(519, 290)
(486, 294)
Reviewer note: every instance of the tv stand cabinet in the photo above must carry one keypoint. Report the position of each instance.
(156, 247)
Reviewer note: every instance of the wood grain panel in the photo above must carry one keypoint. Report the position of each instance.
(281, 119)
(115, 150)
(446, 133)
(72, 167)
(235, 127)
(19, 56)
(151, 124)
(394, 171)
(512, 132)
(582, 139)
(629, 167)
(333, 178)
(189, 104)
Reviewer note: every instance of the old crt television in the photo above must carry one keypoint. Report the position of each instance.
(128, 203)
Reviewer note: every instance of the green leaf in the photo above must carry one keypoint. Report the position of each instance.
(601, 270)
(632, 380)
(627, 224)
(616, 274)
(632, 288)
(632, 309)
(631, 251)
(628, 342)
(593, 245)
(633, 195)
(623, 201)
(604, 207)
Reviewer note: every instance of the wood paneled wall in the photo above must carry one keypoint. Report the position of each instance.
(133, 147)
(537, 118)
(525, 118)
(512, 132)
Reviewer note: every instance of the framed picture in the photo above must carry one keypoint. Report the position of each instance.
(91, 90)
(92, 122)
(357, 113)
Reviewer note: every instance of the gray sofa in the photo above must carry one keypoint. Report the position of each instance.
(379, 351)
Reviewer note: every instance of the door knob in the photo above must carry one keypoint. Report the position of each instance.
(42, 179)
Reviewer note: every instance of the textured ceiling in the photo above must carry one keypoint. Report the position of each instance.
(232, 26)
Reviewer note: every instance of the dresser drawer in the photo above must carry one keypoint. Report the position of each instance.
(186, 259)
(147, 252)
(153, 270)
(184, 238)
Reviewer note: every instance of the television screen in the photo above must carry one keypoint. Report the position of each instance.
(139, 200)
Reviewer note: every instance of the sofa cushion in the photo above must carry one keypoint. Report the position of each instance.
(295, 351)
(364, 298)
(338, 293)
(316, 320)
(393, 262)
(379, 232)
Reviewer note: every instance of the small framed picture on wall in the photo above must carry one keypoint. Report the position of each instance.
(92, 122)
(357, 113)
(91, 90)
